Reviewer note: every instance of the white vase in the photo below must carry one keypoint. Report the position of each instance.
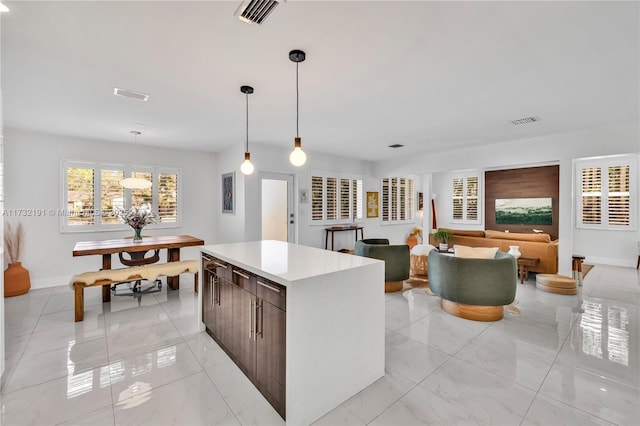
(513, 251)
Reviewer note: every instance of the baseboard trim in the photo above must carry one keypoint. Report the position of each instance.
(50, 281)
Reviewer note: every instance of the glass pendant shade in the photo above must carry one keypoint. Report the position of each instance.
(298, 157)
(247, 166)
(135, 183)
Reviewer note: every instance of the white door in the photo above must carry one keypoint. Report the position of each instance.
(277, 210)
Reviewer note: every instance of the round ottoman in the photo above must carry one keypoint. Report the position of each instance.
(554, 283)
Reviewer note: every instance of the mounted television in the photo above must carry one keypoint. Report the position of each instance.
(524, 211)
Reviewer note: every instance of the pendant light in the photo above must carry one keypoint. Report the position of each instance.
(297, 157)
(132, 182)
(246, 167)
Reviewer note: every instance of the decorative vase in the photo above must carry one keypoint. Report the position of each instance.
(137, 236)
(16, 280)
(513, 251)
(412, 241)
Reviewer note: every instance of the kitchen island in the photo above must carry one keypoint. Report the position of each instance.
(312, 319)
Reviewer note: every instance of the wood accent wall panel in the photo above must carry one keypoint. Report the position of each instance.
(530, 182)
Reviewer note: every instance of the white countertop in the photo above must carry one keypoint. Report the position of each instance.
(285, 262)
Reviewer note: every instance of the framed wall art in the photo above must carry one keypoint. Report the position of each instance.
(228, 193)
(372, 204)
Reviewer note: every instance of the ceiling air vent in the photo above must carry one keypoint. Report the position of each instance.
(396, 145)
(525, 120)
(256, 11)
(130, 94)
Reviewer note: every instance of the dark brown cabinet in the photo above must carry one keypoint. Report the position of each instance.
(246, 315)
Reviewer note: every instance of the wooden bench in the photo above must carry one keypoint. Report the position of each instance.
(116, 276)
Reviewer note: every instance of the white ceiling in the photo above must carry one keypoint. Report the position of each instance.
(429, 75)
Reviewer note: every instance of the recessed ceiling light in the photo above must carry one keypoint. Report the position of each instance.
(525, 120)
(3, 8)
(396, 145)
(130, 94)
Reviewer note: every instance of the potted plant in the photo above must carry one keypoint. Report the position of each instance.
(16, 277)
(443, 236)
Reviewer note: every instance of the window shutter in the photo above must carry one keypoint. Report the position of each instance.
(403, 198)
(619, 196)
(472, 198)
(386, 217)
(410, 206)
(344, 199)
(394, 198)
(140, 197)
(80, 191)
(591, 195)
(458, 191)
(358, 201)
(167, 198)
(332, 200)
(112, 194)
(316, 198)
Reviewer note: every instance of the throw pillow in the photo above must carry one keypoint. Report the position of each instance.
(475, 252)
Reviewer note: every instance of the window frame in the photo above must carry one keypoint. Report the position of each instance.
(409, 207)
(128, 169)
(356, 210)
(604, 163)
(479, 198)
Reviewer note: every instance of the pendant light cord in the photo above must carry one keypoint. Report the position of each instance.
(247, 98)
(297, 103)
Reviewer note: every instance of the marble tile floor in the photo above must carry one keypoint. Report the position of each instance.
(564, 360)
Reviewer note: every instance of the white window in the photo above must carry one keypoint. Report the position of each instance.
(92, 195)
(398, 202)
(606, 193)
(465, 198)
(336, 198)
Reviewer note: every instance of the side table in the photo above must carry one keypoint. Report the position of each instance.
(523, 267)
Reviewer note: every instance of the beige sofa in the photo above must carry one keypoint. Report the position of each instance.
(537, 246)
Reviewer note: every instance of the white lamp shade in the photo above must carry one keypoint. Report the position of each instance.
(135, 183)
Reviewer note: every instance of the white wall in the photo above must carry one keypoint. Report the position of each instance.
(246, 227)
(32, 173)
(609, 247)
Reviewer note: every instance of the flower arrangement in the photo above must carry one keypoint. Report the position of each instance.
(138, 218)
(417, 231)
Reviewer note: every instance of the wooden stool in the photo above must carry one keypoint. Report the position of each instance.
(554, 283)
(576, 268)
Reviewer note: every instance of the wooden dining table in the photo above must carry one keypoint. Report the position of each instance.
(173, 244)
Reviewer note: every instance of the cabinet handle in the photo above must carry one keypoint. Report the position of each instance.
(246, 277)
(212, 280)
(270, 287)
(252, 319)
(261, 307)
(206, 257)
(220, 265)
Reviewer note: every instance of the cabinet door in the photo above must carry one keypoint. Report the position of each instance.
(244, 322)
(271, 354)
(222, 312)
(207, 298)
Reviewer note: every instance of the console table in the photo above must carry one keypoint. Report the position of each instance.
(338, 229)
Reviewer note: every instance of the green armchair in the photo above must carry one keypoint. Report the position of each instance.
(475, 289)
(396, 260)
